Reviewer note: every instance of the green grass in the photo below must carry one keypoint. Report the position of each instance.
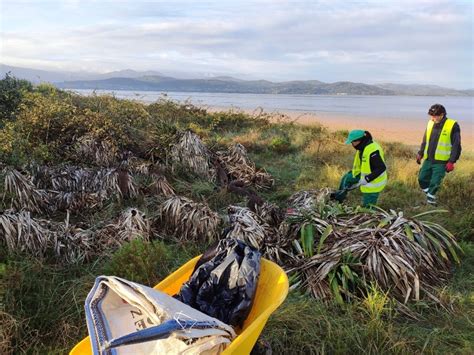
(309, 327)
(44, 304)
(373, 325)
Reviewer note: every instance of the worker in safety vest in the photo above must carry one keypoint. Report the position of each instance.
(369, 172)
(441, 148)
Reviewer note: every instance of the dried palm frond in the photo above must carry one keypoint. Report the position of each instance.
(72, 178)
(69, 243)
(247, 226)
(189, 220)
(398, 266)
(161, 186)
(133, 224)
(308, 199)
(80, 245)
(73, 188)
(75, 244)
(191, 153)
(43, 238)
(307, 207)
(76, 201)
(138, 166)
(22, 233)
(404, 256)
(78, 179)
(239, 166)
(103, 153)
(115, 181)
(270, 213)
(24, 192)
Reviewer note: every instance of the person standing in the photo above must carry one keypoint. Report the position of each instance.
(369, 172)
(440, 150)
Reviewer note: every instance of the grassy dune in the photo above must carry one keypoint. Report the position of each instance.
(42, 301)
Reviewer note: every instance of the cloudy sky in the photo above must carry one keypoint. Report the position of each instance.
(429, 42)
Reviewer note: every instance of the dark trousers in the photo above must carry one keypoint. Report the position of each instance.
(430, 176)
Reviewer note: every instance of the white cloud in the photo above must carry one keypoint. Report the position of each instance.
(314, 40)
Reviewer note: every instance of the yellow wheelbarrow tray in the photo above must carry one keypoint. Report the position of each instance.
(272, 289)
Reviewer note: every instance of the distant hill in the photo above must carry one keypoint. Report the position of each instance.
(424, 90)
(51, 76)
(39, 76)
(232, 85)
(228, 85)
(156, 81)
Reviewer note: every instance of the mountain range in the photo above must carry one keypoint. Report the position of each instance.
(157, 81)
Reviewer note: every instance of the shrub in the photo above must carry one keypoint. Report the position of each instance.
(12, 91)
(127, 123)
(44, 125)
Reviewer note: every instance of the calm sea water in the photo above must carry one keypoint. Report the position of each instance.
(401, 107)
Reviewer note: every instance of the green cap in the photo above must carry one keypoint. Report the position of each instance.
(354, 135)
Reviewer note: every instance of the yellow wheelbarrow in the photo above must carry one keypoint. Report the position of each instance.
(272, 289)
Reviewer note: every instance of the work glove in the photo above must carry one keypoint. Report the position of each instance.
(361, 182)
(449, 166)
(418, 159)
(337, 196)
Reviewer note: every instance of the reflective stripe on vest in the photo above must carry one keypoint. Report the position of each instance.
(373, 184)
(363, 168)
(443, 148)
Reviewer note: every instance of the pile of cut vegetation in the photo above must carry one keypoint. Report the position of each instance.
(338, 252)
(38, 194)
(70, 243)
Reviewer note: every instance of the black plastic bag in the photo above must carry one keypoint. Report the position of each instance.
(224, 282)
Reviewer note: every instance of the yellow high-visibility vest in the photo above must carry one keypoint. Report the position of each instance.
(443, 148)
(363, 168)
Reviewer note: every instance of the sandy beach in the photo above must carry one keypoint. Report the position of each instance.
(385, 129)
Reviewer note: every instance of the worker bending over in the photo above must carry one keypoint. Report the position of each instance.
(368, 171)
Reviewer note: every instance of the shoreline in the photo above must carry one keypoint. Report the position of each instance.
(407, 131)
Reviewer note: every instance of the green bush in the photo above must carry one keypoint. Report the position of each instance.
(12, 91)
(45, 124)
(126, 123)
